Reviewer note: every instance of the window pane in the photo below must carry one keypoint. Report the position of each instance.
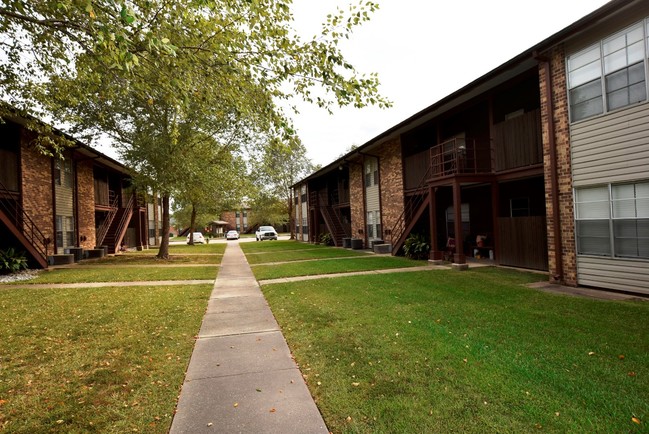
(586, 92)
(593, 237)
(623, 191)
(614, 44)
(618, 99)
(636, 73)
(616, 81)
(584, 57)
(631, 238)
(615, 61)
(587, 109)
(637, 92)
(635, 52)
(624, 208)
(585, 74)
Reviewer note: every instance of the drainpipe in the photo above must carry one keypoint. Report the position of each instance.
(554, 177)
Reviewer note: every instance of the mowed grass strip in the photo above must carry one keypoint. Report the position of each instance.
(122, 274)
(297, 255)
(475, 351)
(279, 245)
(212, 248)
(343, 265)
(103, 360)
(150, 259)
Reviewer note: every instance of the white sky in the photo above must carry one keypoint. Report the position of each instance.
(423, 51)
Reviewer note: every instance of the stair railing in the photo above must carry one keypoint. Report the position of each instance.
(103, 229)
(126, 216)
(410, 206)
(25, 224)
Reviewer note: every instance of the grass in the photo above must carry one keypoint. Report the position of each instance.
(279, 245)
(106, 360)
(264, 272)
(122, 274)
(297, 255)
(150, 259)
(174, 249)
(473, 351)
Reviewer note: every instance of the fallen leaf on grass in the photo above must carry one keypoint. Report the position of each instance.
(356, 384)
(591, 353)
(3, 401)
(635, 420)
(631, 374)
(621, 357)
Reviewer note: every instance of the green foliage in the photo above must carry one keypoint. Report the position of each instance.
(416, 247)
(327, 239)
(179, 86)
(12, 261)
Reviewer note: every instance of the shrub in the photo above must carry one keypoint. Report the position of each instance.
(416, 247)
(12, 261)
(327, 239)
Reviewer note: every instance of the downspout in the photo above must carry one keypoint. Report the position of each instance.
(554, 178)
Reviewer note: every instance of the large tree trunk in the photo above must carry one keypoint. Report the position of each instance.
(192, 223)
(291, 217)
(163, 253)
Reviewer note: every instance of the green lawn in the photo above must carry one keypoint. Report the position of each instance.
(274, 246)
(150, 259)
(473, 351)
(123, 274)
(184, 248)
(105, 360)
(263, 272)
(297, 255)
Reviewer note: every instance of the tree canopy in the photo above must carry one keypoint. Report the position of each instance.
(165, 78)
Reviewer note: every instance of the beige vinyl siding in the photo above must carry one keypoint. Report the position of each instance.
(65, 210)
(372, 198)
(619, 274)
(611, 148)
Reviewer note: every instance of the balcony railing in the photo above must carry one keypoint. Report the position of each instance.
(457, 156)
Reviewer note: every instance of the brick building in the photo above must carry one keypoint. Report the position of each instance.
(237, 221)
(51, 206)
(542, 163)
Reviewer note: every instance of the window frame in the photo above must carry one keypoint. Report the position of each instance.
(612, 221)
(605, 97)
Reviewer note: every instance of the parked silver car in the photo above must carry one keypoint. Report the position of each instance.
(232, 235)
(198, 238)
(266, 233)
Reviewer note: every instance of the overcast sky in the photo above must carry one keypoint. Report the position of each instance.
(423, 51)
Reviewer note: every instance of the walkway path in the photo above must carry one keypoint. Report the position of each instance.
(241, 377)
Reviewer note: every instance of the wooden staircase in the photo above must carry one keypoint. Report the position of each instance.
(23, 228)
(334, 225)
(412, 211)
(118, 226)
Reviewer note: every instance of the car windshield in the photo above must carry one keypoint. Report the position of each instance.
(266, 228)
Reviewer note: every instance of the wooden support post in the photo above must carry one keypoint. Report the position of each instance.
(495, 205)
(435, 253)
(459, 257)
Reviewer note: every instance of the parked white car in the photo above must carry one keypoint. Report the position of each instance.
(232, 235)
(198, 238)
(266, 233)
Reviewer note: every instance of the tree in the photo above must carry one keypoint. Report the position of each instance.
(157, 75)
(282, 164)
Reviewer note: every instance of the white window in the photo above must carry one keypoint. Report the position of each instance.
(610, 74)
(613, 220)
(371, 172)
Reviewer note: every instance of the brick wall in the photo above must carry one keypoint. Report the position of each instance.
(357, 200)
(391, 181)
(86, 204)
(36, 181)
(564, 170)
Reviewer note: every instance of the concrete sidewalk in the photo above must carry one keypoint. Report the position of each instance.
(241, 377)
